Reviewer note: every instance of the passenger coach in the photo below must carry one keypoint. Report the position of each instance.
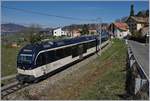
(37, 60)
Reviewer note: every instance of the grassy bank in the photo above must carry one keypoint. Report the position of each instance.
(8, 57)
(111, 82)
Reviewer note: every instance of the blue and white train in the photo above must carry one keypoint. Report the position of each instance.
(37, 60)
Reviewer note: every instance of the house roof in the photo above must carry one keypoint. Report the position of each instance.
(56, 28)
(140, 19)
(121, 26)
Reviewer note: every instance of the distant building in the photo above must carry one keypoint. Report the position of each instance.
(136, 23)
(119, 30)
(92, 31)
(15, 45)
(74, 33)
(58, 32)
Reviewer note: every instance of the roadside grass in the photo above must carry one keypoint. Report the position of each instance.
(8, 60)
(111, 83)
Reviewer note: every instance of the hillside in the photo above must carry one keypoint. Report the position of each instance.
(79, 26)
(11, 28)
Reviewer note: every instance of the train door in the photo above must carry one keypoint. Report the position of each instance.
(46, 62)
(49, 57)
(41, 62)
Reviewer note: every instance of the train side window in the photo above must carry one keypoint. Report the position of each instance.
(88, 45)
(85, 47)
(59, 54)
(91, 44)
(75, 51)
(41, 59)
(67, 51)
(50, 57)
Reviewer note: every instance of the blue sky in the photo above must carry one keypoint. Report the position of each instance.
(109, 11)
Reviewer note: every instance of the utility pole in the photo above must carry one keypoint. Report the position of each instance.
(100, 32)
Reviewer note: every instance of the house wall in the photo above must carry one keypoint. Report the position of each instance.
(59, 32)
(73, 33)
(139, 26)
(121, 34)
(76, 34)
(63, 33)
(132, 25)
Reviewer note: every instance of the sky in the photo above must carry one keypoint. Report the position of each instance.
(85, 11)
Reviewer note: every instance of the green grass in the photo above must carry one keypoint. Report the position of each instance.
(8, 57)
(111, 82)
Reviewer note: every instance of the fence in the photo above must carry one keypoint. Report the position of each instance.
(137, 78)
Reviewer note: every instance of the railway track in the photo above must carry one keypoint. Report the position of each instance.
(12, 87)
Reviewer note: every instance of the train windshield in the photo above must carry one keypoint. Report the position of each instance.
(25, 58)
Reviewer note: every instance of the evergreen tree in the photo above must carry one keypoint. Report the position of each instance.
(84, 30)
(140, 14)
(147, 13)
(132, 10)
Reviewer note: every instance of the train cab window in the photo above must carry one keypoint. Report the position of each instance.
(25, 58)
(41, 59)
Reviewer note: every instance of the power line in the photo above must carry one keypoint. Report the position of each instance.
(45, 14)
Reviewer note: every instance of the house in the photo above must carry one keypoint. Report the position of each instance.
(136, 23)
(119, 30)
(74, 33)
(58, 32)
(92, 31)
(15, 45)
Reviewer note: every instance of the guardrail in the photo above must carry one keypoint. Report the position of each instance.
(138, 78)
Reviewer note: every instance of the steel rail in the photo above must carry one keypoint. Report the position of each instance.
(12, 87)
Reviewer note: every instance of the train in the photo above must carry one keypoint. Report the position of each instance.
(35, 61)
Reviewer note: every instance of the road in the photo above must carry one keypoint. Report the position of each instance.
(141, 53)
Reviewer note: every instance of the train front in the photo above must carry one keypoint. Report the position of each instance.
(25, 64)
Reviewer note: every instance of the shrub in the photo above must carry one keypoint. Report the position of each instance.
(137, 36)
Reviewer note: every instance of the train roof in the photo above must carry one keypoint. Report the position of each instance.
(53, 44)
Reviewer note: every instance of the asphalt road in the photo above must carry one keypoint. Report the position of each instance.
(141, 52)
